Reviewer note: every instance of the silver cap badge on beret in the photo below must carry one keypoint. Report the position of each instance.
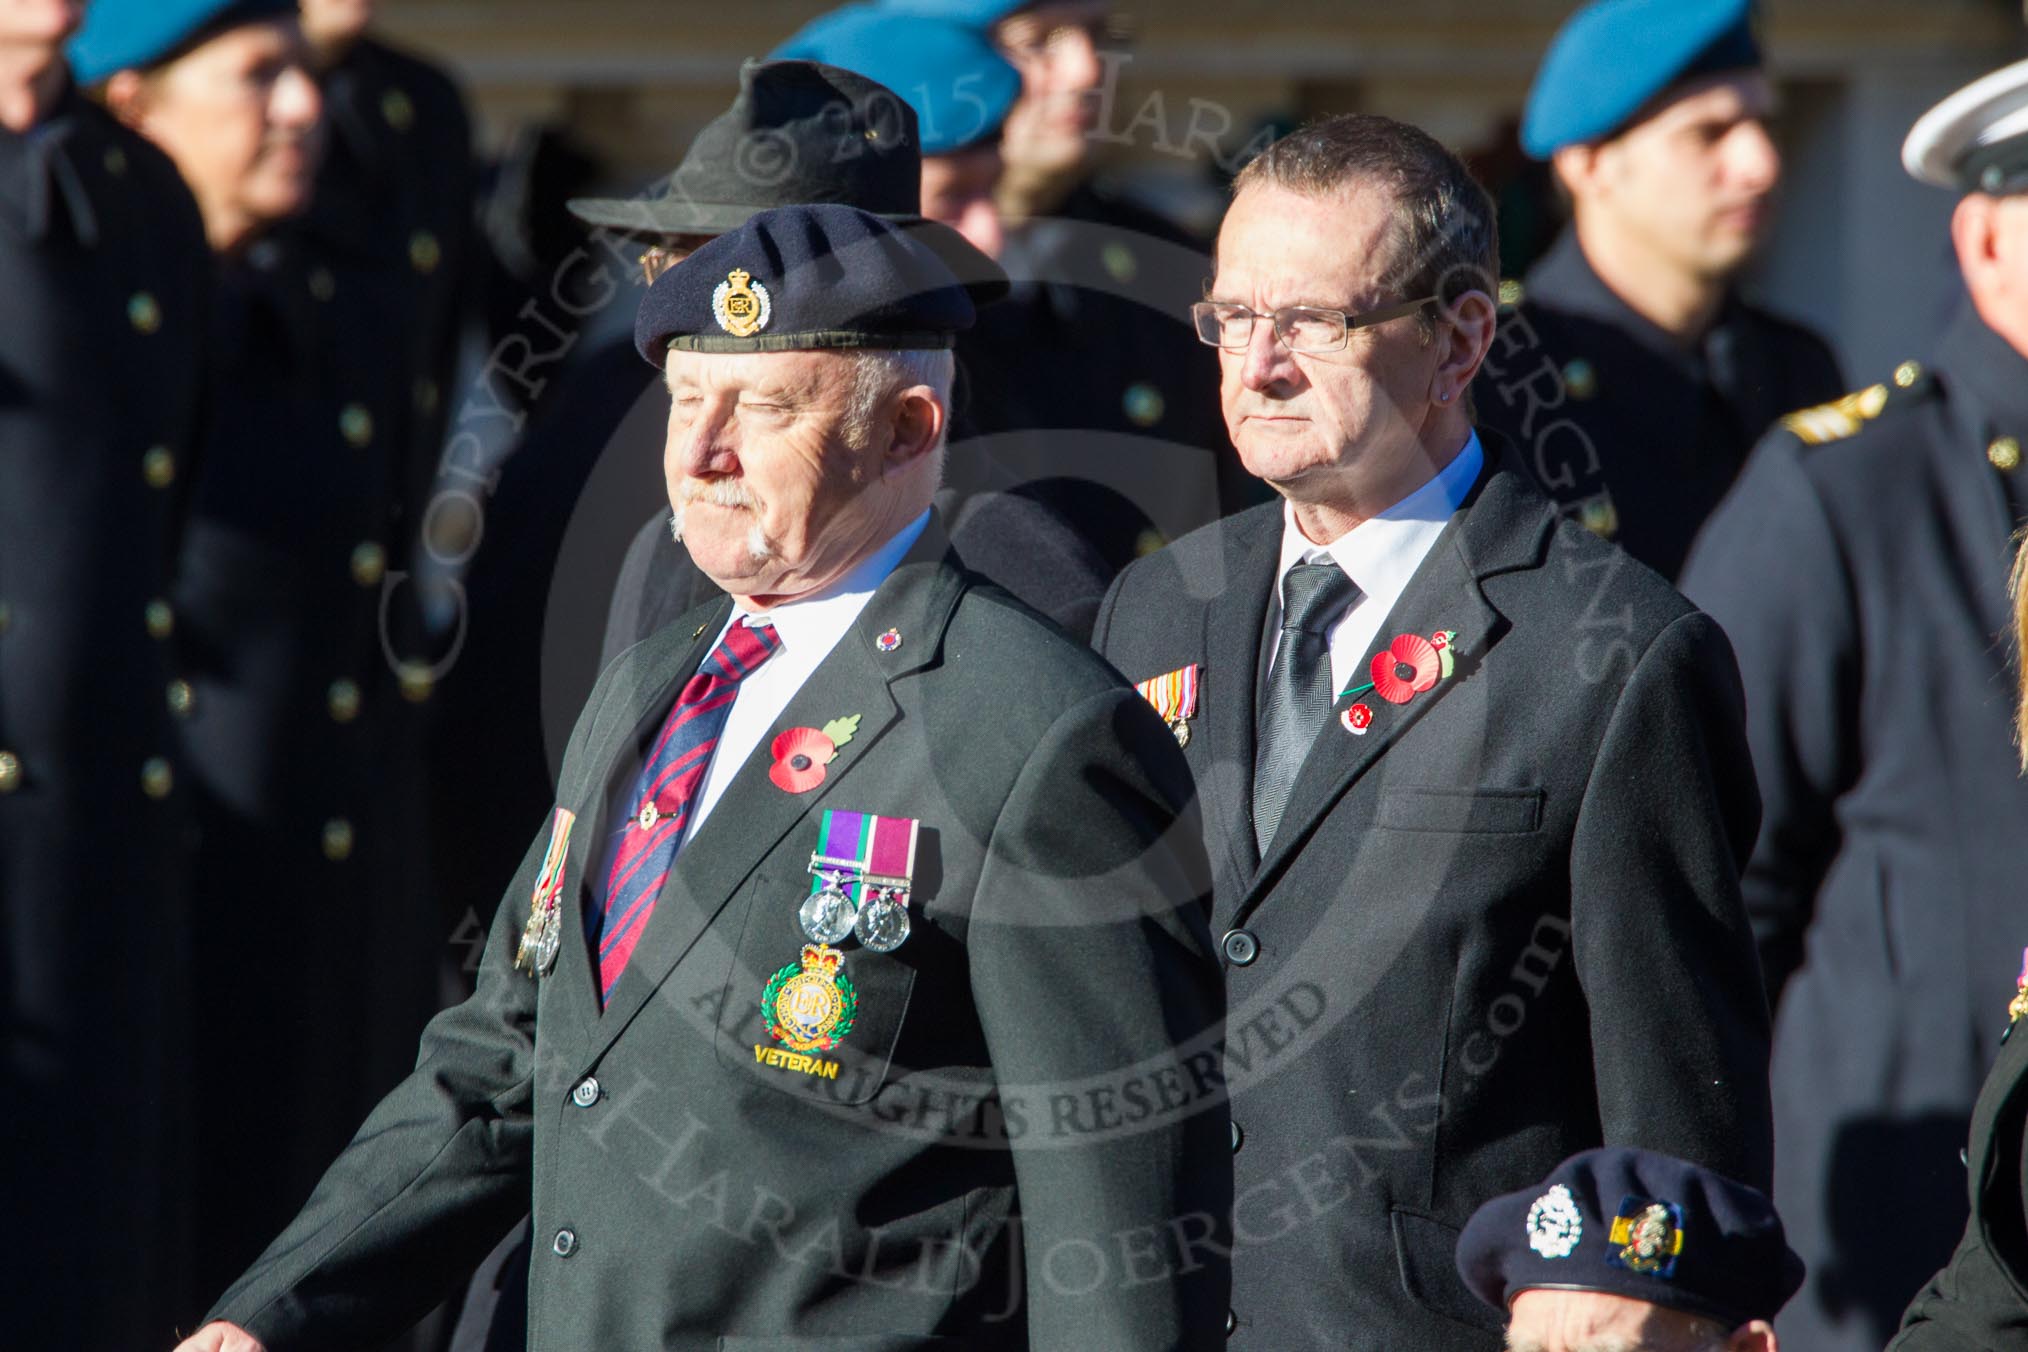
(1555, 1224)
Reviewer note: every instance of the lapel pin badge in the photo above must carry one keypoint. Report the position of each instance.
(888, 641)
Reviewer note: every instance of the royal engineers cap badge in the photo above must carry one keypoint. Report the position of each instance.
(809, 1005)
(1554, 1223)
(741, 305)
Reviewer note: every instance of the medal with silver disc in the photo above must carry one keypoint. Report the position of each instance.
(860, 880)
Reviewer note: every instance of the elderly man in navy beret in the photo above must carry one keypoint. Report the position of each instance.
(1622, 1250)
(1632, 374)
(858, 988)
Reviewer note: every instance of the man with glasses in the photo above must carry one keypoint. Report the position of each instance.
(1474, 790)
(1632, 374)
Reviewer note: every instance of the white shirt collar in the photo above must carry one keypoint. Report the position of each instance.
(1382, 553)
(814, 624)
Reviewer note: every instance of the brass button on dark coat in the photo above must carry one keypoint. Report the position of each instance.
(1240, 947)
(10, 772)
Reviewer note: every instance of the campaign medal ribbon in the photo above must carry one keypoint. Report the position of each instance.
(543, 933)
(861, 874)
(1174, 696)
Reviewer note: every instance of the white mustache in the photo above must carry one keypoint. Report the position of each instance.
(721, 493)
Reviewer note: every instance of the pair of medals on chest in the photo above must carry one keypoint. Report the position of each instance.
(860, 877)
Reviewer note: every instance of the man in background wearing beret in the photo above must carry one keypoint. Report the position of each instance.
(1860, 569)
(1632, 375)
(102, 266)
(1631, 1251)
(859, 986)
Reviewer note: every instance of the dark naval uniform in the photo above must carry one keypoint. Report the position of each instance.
(1498, 924)
(394, 196)
(1634, 434)
(1041, 1046)
(1980, 1300)
(1088, 383)
(299, 741)
(102, 263)
(1860, 569)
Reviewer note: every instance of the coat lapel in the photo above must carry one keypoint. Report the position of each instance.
(1232, 642)
(669, 658)
(754, 816)
(1502, 525)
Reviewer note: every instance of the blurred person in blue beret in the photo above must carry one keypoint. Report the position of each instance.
(1632, 1251)
(1092, 387)
(298, 715)
(103, 269)
(1631, 372)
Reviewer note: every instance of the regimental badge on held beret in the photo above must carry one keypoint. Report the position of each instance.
(741, 305)
(1555, 1224)
(1649, 1235)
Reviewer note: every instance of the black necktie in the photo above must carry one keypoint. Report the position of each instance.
(1298, 688)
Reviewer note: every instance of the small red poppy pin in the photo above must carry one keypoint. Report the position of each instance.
(802, 753)
(1409, 665)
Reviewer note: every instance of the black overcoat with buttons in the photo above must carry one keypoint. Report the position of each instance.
(102, 266)
(1043, 1046)
(301, 744)
(1500, 926)
(1979, 1300)
(1635, 434)
(1860, 569)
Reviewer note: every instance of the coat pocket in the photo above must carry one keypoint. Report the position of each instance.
(805, 1018)
(1427, 1251)
(1509, 811)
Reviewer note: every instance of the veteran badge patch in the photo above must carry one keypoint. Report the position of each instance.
(809, 1005)
(741, 305)
(1649, 1235)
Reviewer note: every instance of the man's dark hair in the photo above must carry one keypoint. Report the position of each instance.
(1446, 238)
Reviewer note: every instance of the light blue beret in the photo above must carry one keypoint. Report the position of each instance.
(136, 34)
(979, 14)
(960, 87)
(1612, 56)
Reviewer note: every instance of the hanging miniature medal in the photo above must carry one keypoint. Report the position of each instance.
(861, 873)
(1174, 696)
(543, 934)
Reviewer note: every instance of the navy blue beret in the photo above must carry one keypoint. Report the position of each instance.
(979, 14)
(1636, 1224)
(1612, 56)
(960, 87)
(803, 278)
(136, 34)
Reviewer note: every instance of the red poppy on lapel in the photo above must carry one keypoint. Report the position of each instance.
(1406, 668)
(1357, 719)
(802, 753)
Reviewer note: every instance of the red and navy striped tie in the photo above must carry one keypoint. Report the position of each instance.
(666, 791)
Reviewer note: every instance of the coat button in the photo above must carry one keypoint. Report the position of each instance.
(2005, 453)
(144, 312)
(157, 779)
(10, 772)
(565, 1243)
(115, 161)
(343, 700)
(1241, 948)
(338, 840)
(417, 683)
(1237, 1137)
(1907, 373)
(160, 617)
(398, 109)
(158, 467)
(424, 253)
(586, 1093)
(369, 564)
(322, 284)
(1144, 404)
(1580, 379)
(355, 424)
(182, 699)
(1231, 1323)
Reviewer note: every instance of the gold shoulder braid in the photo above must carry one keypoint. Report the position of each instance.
(1838, 419)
